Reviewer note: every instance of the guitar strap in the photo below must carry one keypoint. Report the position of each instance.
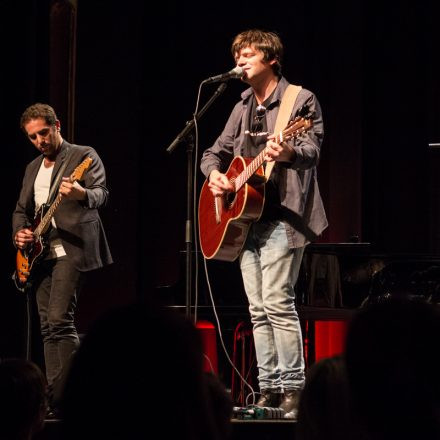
(54, 187)
(286, 106)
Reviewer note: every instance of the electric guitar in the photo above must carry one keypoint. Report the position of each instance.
(35, 251)
(224, 221)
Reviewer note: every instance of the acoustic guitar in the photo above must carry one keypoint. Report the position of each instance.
(224, 221)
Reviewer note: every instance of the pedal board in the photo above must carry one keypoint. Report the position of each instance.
(257, 413)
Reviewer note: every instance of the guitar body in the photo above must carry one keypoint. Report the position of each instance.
(26, 258)
(224, 221)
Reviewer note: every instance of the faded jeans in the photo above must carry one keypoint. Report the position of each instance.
(270, 270)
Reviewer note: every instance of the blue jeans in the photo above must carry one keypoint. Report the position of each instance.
(270, 270)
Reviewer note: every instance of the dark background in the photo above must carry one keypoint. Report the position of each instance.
(373, 66)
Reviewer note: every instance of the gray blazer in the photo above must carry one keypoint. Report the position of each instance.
(78, 223)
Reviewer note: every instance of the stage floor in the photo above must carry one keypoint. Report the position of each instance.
(241, 430)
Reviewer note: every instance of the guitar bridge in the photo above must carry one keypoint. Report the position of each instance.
(218, 209)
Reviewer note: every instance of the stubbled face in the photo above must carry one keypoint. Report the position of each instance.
(253, 64)
(46, 138)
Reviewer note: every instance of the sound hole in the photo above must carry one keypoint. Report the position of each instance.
(230, 198)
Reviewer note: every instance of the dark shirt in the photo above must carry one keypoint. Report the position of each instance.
(254, 142)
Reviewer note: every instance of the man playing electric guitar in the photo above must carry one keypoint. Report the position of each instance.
(293, 213)
(76, 242)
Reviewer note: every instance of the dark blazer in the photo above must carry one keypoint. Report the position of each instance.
(78, 223)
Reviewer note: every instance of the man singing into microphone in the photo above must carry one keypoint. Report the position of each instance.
(293, 213)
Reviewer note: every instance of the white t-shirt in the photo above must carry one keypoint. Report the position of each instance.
(41, 193)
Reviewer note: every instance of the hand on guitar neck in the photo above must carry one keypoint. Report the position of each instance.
(72, 190)
(281, 152)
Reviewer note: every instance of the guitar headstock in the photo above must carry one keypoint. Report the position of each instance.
(295, 127)
(79, 170)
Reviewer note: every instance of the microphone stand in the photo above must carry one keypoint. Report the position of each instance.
(189, 242)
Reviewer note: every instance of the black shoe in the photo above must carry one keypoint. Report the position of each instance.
(269, 398)
(53, 414)
(290, 403)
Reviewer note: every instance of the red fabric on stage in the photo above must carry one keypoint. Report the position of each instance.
(329, 338)
(209, 341)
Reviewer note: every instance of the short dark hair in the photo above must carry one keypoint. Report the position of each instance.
(36, 111)
(268, 42)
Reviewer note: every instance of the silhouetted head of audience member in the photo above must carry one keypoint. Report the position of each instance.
(23, 402)
(324, 411)
(392, 366)
(222, 404)
(139, 371)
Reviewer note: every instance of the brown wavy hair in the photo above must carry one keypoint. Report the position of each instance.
(36, 111)
(268, 42)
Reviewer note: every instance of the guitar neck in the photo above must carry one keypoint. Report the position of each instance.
(75, 176)
(245, 175)
(44, 223)
(259, 160)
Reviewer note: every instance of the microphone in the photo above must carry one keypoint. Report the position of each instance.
(236, 72)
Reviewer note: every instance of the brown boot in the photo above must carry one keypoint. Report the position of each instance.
(290, 402)
(269, 398)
